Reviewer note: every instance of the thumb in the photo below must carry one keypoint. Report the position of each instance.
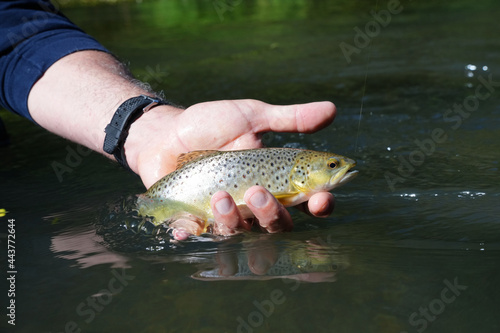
(302, 118)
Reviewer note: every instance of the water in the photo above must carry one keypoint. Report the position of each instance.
(413, 243)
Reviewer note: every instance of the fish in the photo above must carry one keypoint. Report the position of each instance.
(181, 199)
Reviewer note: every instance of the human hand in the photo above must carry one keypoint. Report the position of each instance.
(159, 136)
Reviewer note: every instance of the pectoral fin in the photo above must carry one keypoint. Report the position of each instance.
(286, 199)
(290, 199)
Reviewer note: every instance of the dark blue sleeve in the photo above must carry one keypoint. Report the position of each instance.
(33, 36)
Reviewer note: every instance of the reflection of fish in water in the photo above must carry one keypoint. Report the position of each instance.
(291, 175)
(301, 261)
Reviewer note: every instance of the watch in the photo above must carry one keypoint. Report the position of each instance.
(117, 130)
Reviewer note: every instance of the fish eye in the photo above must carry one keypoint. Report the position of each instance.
(332, 164)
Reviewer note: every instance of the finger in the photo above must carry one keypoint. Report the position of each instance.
(262, 255)
(303, 118)
(272, 215)
(320, 204)
(228, 263)
(227, 216)
(180, 235)
(184, 227)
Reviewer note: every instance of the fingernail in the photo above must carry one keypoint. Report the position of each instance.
(223, 206)
(258, 199)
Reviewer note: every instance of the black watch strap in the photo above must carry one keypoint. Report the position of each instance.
(117, 129)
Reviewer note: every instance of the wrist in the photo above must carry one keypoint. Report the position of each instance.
(117, 130)
(151, 147)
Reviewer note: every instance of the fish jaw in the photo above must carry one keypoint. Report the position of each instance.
(348, 176)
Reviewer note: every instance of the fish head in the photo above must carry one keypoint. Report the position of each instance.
(319, 171)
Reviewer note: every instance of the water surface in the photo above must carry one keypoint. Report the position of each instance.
(413, 244)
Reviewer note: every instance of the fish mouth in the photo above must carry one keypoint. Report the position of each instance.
(348, 176)
(345, 174)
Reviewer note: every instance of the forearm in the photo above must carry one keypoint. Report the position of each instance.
(78, 95)
(53, 73)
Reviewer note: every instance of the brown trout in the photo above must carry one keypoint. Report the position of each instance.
(291, 175)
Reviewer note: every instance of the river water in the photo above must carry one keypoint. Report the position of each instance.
(413, 244)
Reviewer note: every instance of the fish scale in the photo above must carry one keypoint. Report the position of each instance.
(232, 172)
(291, 175)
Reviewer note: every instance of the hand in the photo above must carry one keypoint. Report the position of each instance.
(159, 136)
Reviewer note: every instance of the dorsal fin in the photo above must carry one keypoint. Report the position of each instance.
(183, 159)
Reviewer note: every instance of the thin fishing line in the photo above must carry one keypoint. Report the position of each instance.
(362, 100)
(364, 87)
